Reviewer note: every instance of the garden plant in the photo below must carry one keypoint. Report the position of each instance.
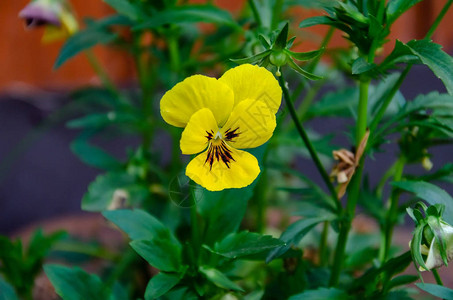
(234, 191)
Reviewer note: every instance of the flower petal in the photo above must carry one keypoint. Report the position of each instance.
(194, 93)
(240, 173)
(194, 137)
(255, 124)
(253, 82)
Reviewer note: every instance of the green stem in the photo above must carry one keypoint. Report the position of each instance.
(380, 114)
(403, 75)
(173, 48)
(323, 260)
(348, 215)
(261, 203)
(392, 213)
(256, 14)
(354, 189)
(389, 173)
(309, 98)
(146, 80)
(362, 111)
(313, 64)
(195, 227)
(439, 18)
(306, 140)
(276, 12)
(103, 75)
(437, 277)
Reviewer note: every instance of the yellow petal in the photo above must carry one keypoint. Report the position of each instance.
(194, 93)
(69, 21)
(253, 82)
(194, 138)
(240, 173)
(253, 123)
(53, 33)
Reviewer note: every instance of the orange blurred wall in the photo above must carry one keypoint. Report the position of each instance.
(23, 59)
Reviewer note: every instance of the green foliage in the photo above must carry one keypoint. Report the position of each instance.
(76, 284)
(96, 33)
(125, 8)
(7, 291)
(245, 243)
(161, 254)
(436, 290)
(101, 192)
(396, 8)
(160, 284)
(20, 266)
(321, 294)
(188, 14)
(219, 279)
(438, 61)
(431, 194)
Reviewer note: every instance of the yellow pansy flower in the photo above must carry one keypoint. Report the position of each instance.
(221, 116)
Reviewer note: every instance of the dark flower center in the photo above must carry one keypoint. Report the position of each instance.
(218, 149)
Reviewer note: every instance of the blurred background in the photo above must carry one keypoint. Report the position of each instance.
(39, 176)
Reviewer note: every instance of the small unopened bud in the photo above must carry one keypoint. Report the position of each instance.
(119, 200)
(427, 164)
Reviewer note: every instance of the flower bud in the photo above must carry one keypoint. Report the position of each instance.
(56, 16)
(434, 258)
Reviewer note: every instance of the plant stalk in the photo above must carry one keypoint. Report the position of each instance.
(437, 277)
(255, 12)
(439, 18)
(306, 140)
(354, 188)
(392, 213)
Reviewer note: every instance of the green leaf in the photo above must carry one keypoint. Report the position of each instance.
(94, 156)
(302, 72)
(245, 243)
(102, 120)
(360, 65)
(160, 284)
(416, 242)
(251, 59)
(101, 192)
(96, 33)
(436, 290)
(223, 211)
(189, 14)
(219, 279)
(75, 283)
(124, 7)
(338, 104)
(304, 56)
(392, 266)
(140, 225)
(319, 20)
(7, 291)
(282, 37)
(431, 194)
(322, 294)
(296, 231)
(162, 254)
(438, 61)
(402, 280)
(396, 8)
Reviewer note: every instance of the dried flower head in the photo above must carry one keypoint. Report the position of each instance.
(347, 164)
